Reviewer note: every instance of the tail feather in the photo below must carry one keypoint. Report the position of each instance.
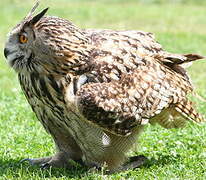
(193, 57)
(185, 108)
(181, 59)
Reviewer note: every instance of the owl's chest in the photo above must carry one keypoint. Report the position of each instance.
(47, 98)
(54, 106)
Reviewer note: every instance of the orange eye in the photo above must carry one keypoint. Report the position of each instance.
(23, 39)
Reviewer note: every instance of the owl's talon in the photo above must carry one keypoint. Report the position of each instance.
(45, 166)
(36, 161)
(26, 159)
(134, 162)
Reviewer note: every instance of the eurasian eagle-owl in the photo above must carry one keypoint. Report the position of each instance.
(94, 90)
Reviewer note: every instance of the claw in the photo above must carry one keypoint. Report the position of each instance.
(58, 160)
(140, 158)
(45, 166)
(36, 161)
(27, 159)
(134, 162)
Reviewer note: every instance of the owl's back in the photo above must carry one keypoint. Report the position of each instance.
(137, 82)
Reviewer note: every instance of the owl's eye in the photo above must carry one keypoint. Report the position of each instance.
(23, 39)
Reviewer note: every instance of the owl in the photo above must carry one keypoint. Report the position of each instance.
(95, 90)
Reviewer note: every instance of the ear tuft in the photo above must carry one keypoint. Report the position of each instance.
(29, 20)
(36, 18)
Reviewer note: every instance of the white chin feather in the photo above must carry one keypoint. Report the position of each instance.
(11, 57)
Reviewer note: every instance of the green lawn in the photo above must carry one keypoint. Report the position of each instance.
(173, 154)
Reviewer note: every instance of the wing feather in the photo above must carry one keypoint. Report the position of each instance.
(134, 82)
(119, 106)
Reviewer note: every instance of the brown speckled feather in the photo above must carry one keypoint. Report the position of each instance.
(118, 106)
(137, 81)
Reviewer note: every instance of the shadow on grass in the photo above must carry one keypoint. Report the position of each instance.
(13, 167)
(16, 169)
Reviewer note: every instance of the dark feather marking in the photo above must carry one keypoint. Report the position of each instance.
(29, 60)
(34, 78)
(45, 91)
(75, 85)
(54, 85)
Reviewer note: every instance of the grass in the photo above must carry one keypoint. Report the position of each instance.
(173, 154)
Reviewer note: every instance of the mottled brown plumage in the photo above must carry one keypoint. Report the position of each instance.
(94, 90)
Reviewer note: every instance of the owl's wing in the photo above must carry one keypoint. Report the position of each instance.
(120, 52)
(150, 91)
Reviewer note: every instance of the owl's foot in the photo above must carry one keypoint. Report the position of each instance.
(59, 160)
(36, 161)
(134, 162)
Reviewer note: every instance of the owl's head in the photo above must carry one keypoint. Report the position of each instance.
(43, 43)
(19, 46)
